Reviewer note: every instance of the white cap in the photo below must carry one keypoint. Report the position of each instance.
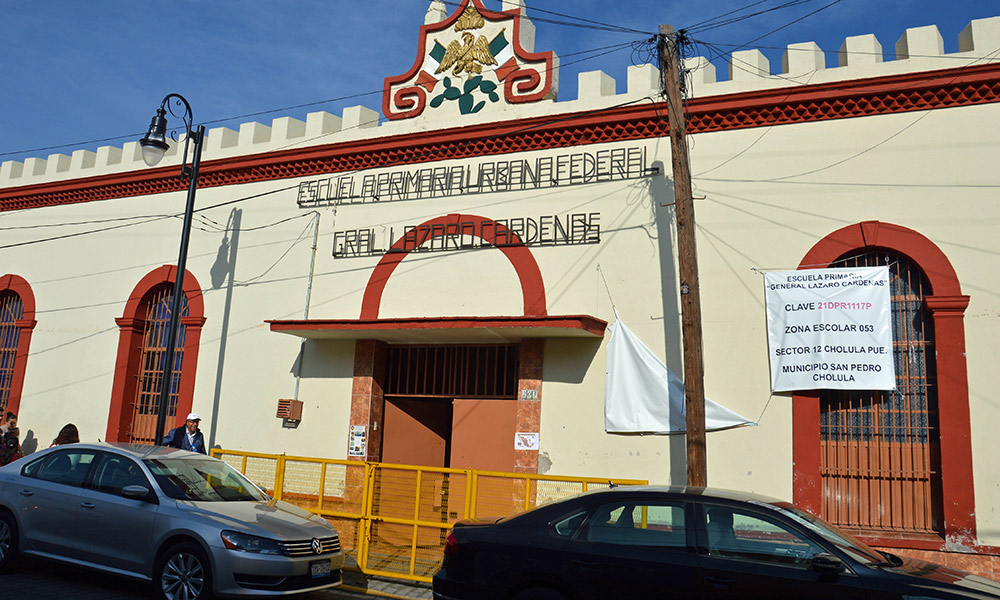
(193, 417)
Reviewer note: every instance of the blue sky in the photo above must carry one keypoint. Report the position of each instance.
(76, 71)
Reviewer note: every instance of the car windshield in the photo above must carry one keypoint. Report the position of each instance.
(203, 479)
(857, 549)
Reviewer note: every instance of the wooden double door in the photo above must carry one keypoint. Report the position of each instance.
(459, 433)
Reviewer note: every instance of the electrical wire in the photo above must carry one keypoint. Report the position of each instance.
(584, 23)
(789, 24)
(694, 26)
(851, 53)
(716, 25)
(301, 236)
(924, 114)
(597, 52)
(410, 158)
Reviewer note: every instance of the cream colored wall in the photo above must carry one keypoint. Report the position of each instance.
(81, 285)
(789, 187)
(770, 194)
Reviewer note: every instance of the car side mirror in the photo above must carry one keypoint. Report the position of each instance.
(827, 563)
(137, 492)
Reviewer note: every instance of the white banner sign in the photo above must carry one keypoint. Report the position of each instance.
(829, 329)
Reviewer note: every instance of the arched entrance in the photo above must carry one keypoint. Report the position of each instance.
(451, 405)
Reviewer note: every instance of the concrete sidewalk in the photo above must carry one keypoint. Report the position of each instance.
(360, 585)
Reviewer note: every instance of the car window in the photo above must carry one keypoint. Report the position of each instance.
(857, 549)
(638, 524)
(202, 478)
(68, 467)
(565, 527)
(116, 472)
(745, 535)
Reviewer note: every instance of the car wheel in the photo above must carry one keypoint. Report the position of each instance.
(539, 593)
(8, 541)
(183, 573)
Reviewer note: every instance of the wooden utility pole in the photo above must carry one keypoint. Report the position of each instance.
(687, 258)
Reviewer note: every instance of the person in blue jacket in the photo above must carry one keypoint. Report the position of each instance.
(187, 436)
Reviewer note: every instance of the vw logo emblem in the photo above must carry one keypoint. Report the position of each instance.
(317, 546)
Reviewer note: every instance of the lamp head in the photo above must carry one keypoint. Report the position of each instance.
(154, 144)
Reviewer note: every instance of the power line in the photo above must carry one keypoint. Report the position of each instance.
(789, 24)
(428, 154)
(964, 56)
(733, 20)
(767, 129)
(726, 14)
(597, 52)
(584, 23)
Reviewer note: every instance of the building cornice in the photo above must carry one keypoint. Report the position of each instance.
(966, 86)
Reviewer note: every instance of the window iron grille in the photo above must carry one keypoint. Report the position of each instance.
(880, 458)
(453, 371)
(152, 357)
(11, 311)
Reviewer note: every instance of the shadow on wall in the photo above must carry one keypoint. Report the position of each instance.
(325, 359)
(30, 443)
(319, 360)
(567, 360)
(224, 271)
(661, 193)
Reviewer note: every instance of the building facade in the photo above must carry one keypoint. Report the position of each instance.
(433, 285)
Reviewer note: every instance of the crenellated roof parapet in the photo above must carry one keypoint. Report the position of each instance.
(860, 57)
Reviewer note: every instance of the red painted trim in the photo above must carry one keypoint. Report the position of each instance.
(932, 545)
(422, 46)
(25, 324)
(131, 329)
(166, 273)
(529, 411)
(520, 257)
(947, 307)
(838, 100)
(585, 323)
(412, 99)
(807, 485)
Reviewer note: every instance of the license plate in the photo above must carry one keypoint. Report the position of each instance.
(319, 568)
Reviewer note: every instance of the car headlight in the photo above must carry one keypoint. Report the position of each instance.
(249, 543)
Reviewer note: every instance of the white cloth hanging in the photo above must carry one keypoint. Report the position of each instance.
(636, 388)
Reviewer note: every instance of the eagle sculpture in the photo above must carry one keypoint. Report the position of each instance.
(468, 55)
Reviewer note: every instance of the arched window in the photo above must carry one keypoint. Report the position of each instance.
(895, 466)
(152, 360)
(142, 347)
(880, 453)
(10, 313)
(17, 312)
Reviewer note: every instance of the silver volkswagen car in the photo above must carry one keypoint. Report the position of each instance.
(189, 523)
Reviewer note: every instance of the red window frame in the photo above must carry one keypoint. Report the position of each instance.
(25, 324)
(132, 329)
(946, 306)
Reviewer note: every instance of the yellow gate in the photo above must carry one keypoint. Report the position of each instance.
(394, 518)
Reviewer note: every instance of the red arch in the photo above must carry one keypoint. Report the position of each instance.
(868, 234)
(25, 324)
(167, 273)
(520, 257)
(947, 308)
(131, 329)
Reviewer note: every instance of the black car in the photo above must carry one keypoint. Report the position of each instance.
(664, 542)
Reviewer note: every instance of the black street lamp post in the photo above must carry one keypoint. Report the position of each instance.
(154, 146)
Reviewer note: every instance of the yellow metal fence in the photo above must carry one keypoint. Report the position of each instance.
(394, 518)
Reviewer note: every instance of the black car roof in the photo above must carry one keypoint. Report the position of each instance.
(700, 492)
